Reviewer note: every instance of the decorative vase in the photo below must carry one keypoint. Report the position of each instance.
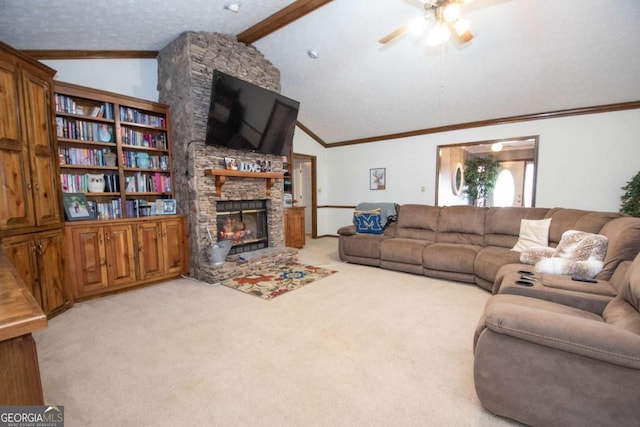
(96, 183)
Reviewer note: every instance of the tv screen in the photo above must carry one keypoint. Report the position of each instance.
(245, 116)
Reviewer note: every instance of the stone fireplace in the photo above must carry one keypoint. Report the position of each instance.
(185, 68)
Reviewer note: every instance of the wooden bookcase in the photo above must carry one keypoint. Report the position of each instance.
(131, 241)
(105, 134)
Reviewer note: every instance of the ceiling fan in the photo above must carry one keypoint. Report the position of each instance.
(446, 20)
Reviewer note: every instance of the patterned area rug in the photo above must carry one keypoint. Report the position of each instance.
(270, 284)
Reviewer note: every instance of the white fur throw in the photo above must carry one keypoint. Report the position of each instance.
(578, 254)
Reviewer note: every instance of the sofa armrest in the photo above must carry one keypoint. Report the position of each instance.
(563, 328)
(347, 230)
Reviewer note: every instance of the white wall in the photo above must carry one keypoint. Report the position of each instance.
(133, 77)
(582, 161)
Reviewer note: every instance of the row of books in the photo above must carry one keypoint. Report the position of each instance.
(79, 183)
(67, 104)
(106, 210)
(136, 116)
(155, 162)
(83, 130)
(83, 156)
(141, 207)
(141, 139)
(147, 183)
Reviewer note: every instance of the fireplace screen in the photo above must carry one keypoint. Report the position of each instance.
(244, 222)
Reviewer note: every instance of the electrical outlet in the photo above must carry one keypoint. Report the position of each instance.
(423, 189)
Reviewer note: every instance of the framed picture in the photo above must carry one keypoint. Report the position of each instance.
(76, 207)
(231, 163)
(378, 179)
(168, 206)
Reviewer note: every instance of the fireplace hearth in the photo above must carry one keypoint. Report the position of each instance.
(244, 222)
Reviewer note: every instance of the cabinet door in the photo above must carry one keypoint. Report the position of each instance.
(37, 128)
(150, 254)
(294, 227)
(120, 255)
(16, 208)
(87, 259)
(50, 249)
(21, 250)
(174, 249)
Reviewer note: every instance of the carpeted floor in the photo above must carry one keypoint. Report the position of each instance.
(269, 284)
(363, 347)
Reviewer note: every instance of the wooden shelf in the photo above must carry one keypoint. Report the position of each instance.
(222, 174)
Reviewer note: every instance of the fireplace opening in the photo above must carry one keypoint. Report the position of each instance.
(244, 222)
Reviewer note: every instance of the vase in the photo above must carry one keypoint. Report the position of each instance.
(142, 160)
(109, 158)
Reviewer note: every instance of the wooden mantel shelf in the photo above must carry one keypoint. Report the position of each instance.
(222, 174)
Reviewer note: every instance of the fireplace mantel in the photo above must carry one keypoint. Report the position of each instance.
(222, 174)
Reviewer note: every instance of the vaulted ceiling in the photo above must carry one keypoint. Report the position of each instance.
(528, 56)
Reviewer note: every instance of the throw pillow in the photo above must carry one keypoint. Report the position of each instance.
(586, 269)
(533, 233)
(581, 246)
(368, 222)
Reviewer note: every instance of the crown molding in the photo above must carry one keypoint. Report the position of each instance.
(92, 54)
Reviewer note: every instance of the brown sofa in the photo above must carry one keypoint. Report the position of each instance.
(472, 244)
(544, 363)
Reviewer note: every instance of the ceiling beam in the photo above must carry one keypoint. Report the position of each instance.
(92, 54)
(294, 11)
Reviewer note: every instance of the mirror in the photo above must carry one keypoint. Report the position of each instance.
(516, 174)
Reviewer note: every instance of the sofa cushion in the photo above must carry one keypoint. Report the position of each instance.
(490, 259)
(450, 257)
(533, 233)
(363, 245)
(624, 243)
(461, 224)
(417, 222)
(406, 251)
(503, 224)
(576, 219)
(631, 290)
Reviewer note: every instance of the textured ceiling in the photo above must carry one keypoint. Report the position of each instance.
(528, 56)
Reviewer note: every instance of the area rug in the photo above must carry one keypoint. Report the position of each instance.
(272, 283)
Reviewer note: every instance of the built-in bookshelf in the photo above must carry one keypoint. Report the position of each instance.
(114, 149)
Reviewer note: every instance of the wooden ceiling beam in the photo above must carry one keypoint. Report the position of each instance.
(294, 11)
(92, 54)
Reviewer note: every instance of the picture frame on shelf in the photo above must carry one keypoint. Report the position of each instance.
(230, 163)
(168, 206)
(76, 207)
(377, 179)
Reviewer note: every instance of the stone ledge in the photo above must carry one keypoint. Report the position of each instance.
(236, 265)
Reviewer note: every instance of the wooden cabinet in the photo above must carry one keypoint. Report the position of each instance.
(294, 227)
(29, 176)
(38, 259)
(109, 255)
(122, 139)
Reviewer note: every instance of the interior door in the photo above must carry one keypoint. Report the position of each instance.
(509, 188)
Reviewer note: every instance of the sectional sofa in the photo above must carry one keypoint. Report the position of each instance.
(471, 244)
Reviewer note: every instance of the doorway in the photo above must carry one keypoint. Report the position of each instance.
(304, 190)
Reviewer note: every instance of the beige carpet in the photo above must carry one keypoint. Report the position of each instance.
(363, 347)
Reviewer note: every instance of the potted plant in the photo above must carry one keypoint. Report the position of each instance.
(480, 176)
(630, 200)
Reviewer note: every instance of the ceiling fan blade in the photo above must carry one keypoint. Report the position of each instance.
(393, 35)
(465, 37)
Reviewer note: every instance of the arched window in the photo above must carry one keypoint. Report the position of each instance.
(504, 191)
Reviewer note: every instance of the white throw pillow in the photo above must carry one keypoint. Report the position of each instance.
(533, 233)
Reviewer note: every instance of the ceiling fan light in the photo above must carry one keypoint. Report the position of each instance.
(439, 34)
(416, 26)
(461, 26)
(451, 12)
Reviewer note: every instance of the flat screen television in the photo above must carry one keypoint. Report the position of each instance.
(245, 116)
